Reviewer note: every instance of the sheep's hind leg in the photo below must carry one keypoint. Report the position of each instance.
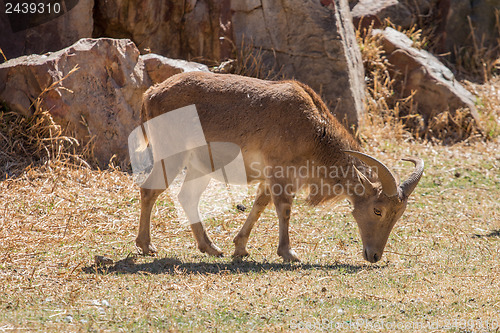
(143, 240)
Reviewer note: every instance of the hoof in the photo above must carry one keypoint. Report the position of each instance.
(212, 250)
(289, 256)
(240, 253)
(147, 250)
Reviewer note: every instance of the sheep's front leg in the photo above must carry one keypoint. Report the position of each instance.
(262, 199)
(283, 197)
(189, 197)
(143, 240)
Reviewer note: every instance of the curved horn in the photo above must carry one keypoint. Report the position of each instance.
(409, 185)
(386, 177)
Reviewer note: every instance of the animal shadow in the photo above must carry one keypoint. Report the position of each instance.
(175, 266)
(493, 233)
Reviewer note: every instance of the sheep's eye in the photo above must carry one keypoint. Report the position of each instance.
(377, 212)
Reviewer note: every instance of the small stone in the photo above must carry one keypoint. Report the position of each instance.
(226, 67)
(241, 207)
(68, 319)
(102, 261)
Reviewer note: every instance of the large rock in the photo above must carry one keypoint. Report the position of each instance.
(433, 84)
(321, 51)
(177, 29)
(311, 41)
(403, 13)
(38, 33)
(374, 12)
(456, 29)
(101, 100)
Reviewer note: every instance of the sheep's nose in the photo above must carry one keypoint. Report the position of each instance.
(370, 256)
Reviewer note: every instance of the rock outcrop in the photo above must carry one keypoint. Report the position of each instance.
(403, 13)
(310, 41)
(368, 12)
(24, 33)
(313, 42)
(176, 29)
(433, 84)
(101, 101)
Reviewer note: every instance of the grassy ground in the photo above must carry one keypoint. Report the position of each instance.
(441, 265)
(440, 271)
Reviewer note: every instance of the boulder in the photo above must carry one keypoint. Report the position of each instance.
(368, 12)
(313, 42)
(101, 100)
(38, 33)
(434, 85)
(403, 13)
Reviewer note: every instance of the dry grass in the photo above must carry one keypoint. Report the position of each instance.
(37, 139)
(441, 266)
(441, 263)
(32, 140)
(386, 108)
(480, 62)
(488, 105)
(250, 62)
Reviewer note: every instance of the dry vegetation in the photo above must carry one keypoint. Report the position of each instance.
(441, 266)
(386, 107)
(441, 263)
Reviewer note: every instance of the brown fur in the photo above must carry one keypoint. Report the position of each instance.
(254, 114)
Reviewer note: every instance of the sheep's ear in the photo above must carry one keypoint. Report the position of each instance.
(367, 184)
(386, 177)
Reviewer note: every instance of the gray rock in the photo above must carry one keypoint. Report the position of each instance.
(435, 87)
(21, 35)
(176, 29)
(313, 42)
(100, 101)
(160, 68)
(367, 12)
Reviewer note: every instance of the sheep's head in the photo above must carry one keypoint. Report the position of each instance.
(381, 204)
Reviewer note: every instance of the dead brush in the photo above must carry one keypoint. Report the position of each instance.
(451, 127)
(37, 139)
(480, 61)
(3, 55)
(396, 115)
(387, 112)
(250, 62)
(488, 106)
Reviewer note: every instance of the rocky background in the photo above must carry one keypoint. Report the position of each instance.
(89, 65)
